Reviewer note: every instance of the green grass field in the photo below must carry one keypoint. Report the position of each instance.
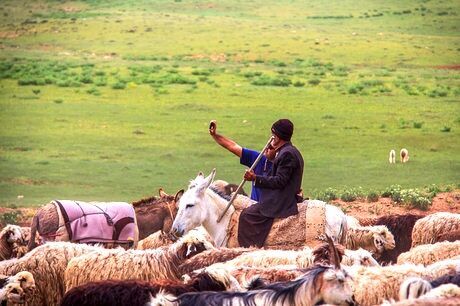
(110, 100)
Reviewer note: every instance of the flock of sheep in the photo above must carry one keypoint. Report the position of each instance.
(392, 260)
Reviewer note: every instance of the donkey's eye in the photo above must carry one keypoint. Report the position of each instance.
(188, 205)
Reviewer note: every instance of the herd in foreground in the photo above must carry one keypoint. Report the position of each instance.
(393, 260)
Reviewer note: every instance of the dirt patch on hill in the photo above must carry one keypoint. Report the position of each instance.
(447, 201)
(452, 67)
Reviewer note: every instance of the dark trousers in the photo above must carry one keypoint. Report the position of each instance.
(253, 227)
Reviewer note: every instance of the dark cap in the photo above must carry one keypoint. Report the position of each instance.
(283, 128)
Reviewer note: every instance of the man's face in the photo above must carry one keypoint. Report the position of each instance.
(276, 141)
(270, 153)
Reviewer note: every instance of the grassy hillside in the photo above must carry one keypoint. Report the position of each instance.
(110, 100)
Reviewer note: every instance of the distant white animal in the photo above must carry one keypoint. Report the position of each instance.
(404, 154)
(392, 158)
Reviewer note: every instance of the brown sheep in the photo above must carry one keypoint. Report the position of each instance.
(12, 238)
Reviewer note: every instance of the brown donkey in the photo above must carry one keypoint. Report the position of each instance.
(152, 214)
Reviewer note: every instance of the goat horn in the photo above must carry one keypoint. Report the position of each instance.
(333, 251)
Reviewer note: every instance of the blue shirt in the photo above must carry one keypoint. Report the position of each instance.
(263, 168)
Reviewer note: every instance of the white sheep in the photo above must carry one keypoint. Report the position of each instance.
(392, 158)
(47, 263)
(446, 290)
(426, 254)
(352, 222)
(415, 287)
(447, 294)
(374, 285)
(120, 264)
(299, 258)
(160, 239)
(14, 288)
(404, 154)
(427, 230)
(359, 257)
(269, 258)
(375, 239)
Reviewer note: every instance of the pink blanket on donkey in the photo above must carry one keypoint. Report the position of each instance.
(98, 221)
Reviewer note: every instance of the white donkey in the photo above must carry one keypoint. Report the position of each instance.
(201, 205)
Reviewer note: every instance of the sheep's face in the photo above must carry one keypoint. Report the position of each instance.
(368, 261)
(14, 234)
(162, 299)
(26, 280)
(337, 288)
(384, 239)
(14, 293)
(363, 257)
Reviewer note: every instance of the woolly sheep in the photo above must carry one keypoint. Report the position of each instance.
(392, 158)
(159, 239)
(428, 229)
(401, 227)
(404, 154)
(301, 259)
(119, 264)
(447, 294)
(373, 285)
(13, 241)
(209, 257)
(359, 257)
(352, 222)
(414, 287)
(426, 254)
(446, 290)
(14, 289)
(375, 239)
(450, 236)
(47, 264)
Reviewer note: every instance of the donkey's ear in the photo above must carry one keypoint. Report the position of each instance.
(210, 178)
(162, 193)
(178, 195)
(200, 174)
(207, 181)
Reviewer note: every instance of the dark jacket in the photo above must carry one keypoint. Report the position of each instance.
(279, 189)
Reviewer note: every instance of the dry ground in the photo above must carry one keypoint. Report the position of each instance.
(447, 201)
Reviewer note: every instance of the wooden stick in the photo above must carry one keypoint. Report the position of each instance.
(244, 181)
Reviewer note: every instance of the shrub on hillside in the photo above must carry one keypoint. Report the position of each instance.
(372, 196)
(119, 85)
(414, 198)
(393, 192)
(298, 84)
(445, 129)
(9, 218)
(265, 80)
(351, 194)
(328, 195)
